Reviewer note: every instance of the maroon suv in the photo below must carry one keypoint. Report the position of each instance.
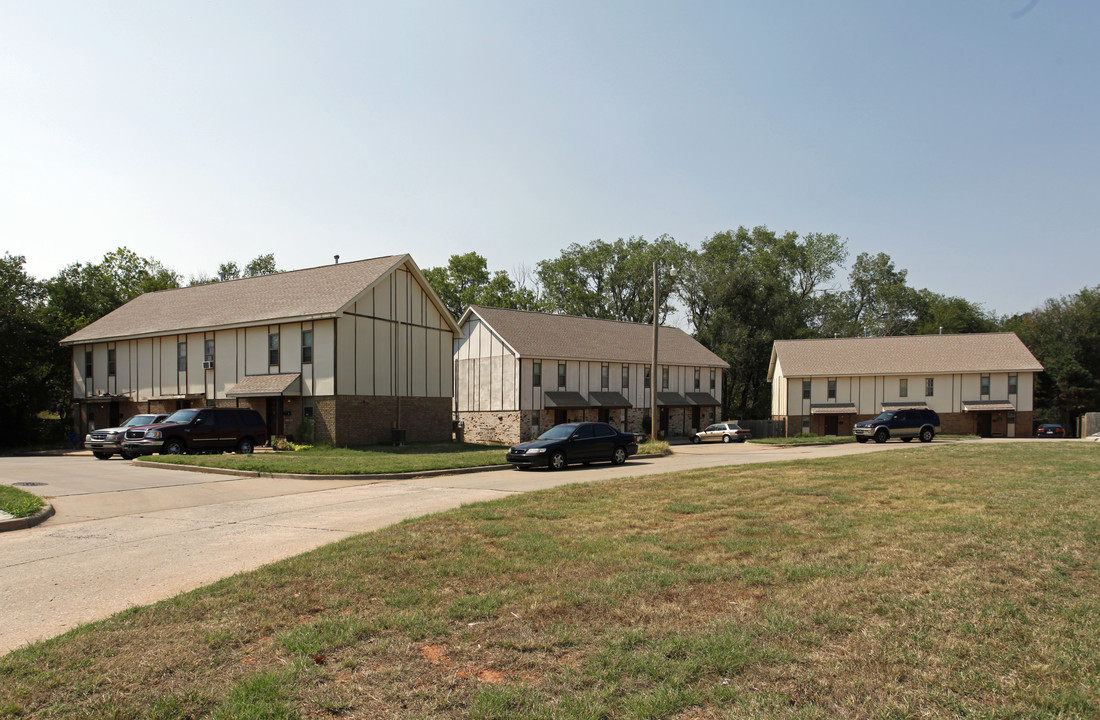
(199, 430)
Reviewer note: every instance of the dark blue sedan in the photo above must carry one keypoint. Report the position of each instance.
(582, 442)
(1051, 430)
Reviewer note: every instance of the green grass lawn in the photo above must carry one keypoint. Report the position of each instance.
(19, 503)
(959, 581)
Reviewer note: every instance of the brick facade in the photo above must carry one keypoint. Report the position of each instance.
(369, 420)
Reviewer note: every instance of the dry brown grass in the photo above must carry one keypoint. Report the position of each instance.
(955, 581)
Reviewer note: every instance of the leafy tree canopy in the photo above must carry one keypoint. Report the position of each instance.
(466, 280)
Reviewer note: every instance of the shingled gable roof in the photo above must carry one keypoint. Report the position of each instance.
(310, 294)
(564, 337)
(912, 354)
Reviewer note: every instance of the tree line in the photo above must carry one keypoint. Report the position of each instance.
(738, 291)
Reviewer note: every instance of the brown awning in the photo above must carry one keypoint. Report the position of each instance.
(608, 400)
(987, 406)
(564, 399)
(703, 399)
(267, 385)
(833, 409)
(903, 405)
(671, 399)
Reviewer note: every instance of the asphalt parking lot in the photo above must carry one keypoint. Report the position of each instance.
(126, 534)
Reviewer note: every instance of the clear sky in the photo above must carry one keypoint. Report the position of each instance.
(961, 137)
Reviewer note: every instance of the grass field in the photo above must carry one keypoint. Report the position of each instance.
(960, 581)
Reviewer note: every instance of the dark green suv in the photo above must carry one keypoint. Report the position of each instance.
(905, 423)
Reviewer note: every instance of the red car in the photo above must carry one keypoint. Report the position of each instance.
(1051, 430)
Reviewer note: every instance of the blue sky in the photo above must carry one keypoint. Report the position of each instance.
(958, 136)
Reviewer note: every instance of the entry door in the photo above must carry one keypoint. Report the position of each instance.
(559, 416)
(985, 424)
(695, 418)
(831, 425)
(274, 416)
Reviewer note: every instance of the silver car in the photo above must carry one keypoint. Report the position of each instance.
(725, 431)
(105, 443)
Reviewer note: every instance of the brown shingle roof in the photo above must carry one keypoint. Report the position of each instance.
(913, 354)
(298, 294)
(541, 335)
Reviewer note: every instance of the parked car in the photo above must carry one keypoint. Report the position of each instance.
(582, 442)
(108, 441)
(906, 424)
(725, 431)
(199, 430)
(1050, 430)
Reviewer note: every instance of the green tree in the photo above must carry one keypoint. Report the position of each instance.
(613, 281)
(878, 301)
(26, 363)
(940, 313)
(466, 280)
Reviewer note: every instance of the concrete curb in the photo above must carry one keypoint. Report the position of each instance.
(27, 522)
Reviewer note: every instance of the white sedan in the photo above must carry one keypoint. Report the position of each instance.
(724, 431)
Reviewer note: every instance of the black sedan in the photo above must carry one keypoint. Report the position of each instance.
(1051, 430)
(582, 442)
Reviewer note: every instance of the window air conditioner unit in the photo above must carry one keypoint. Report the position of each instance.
(207, 364)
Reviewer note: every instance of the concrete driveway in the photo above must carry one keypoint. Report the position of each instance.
(125, 535)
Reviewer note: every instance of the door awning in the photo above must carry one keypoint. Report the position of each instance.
(564, 399)
(608, 400)
(703, 399)
(267, 386)
(671, 399)
(987, 406)
(833, 409)
(903, 405)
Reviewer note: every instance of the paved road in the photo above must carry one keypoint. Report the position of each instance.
(127, 535)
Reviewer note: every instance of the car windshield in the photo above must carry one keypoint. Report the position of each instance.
(885, 416)
(139, 420)
(558, 432)
(182, 416)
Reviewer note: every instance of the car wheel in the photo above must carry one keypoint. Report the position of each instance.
(245, 447)
(927, 434)
(619, 456)
(882, 436)
(557, 460)
(173, 447)
(102, 455)
(696, 439)
(726, 438)
(126, 456)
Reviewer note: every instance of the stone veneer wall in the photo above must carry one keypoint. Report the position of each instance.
(499, 426)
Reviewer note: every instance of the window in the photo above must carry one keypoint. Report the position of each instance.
(536, 373)
(273, 348)
(307, 346)
(561, 375)
(713, 375)
(664, 378)
(307, 407)
(87, 363)
(534, 418)
(626, 377)
(181, 356)
(1013, 384)
(985, 386)
(806, 389)
(697, 373)
(110, 362)
(929, 387)
(832, 389)
(903, 387)
(605, 376)
(208, 350)
(805, 424)
(648, 372)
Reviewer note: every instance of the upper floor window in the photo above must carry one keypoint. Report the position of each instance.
(806, 389)
(536, 373)
(561, 375)
(87, 363)
(605, 376)
(929, 387)
(832, 389)
(273, 348)
(985, 385)
(110, 362)
(181, 356)
(713, 375)
(664, 378)
(648, 373)
(903, 387)
(698, 372)
(307, 346)
(1013, 384)
(208, 350)
(626, 377)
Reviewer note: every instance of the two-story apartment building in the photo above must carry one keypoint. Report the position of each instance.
(360, 348)
(978, 384)
(518, 373)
